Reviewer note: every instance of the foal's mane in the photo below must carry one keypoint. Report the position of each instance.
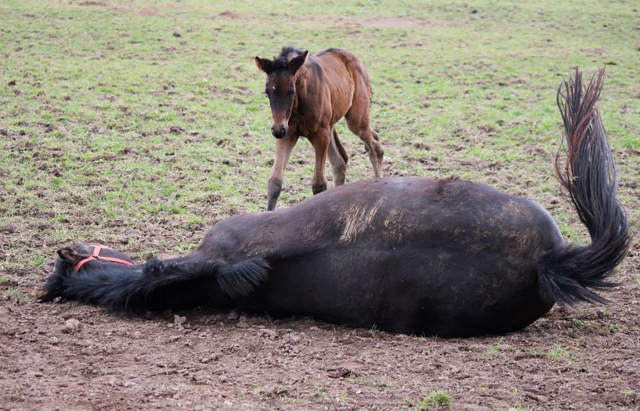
(281, 62)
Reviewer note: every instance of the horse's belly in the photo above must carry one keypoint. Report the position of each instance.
(408, 290)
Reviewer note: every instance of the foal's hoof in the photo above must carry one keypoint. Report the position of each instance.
(318, 189)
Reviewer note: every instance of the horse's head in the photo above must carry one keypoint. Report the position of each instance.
(76, 259)
(282, 74)
(90, 255)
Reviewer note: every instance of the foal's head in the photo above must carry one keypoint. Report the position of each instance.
(281, 85)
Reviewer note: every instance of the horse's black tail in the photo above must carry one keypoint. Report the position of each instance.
(569, 274)
(155, 285)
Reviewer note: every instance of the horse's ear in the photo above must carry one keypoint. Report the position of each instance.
(299, 61)
(264, 64)
(69, 255)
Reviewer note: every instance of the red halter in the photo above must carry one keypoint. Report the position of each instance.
(96, 256)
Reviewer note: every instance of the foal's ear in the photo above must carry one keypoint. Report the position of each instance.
(69, 255)
(264, 64)
(297, 62)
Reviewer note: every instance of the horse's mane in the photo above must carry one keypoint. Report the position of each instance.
(281, 61)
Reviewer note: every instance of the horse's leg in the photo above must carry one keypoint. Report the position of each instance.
(320, 142)
(338, 158)
(283, 152)
(358, 121)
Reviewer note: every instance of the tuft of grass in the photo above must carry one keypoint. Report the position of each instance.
(493, 349)
(321, 393)
(538, 352)
(6, 280)
(14, 294)
(557, 353)
(435, 400)
(576, 323)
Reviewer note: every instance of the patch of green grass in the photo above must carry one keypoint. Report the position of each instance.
(6, 280)
(14, 294)
(558, 353)
(321, 393)
(435, 400)
(62, 218)
(580, 324)
(493, 349)
(56, 182)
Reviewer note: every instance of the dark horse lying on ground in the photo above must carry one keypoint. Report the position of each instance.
(410, 255)
(308, 96)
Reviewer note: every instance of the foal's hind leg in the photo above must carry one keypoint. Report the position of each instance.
(358, 121)
(338, 158)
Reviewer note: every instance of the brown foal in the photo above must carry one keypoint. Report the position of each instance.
(308, 95)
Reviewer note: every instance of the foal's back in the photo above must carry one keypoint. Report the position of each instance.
(335, 63)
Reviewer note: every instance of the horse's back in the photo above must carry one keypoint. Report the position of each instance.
(408, 210)
(399, 211)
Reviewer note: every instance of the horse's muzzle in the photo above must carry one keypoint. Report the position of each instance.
(279, 132)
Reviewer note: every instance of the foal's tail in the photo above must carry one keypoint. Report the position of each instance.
(569, 274)
(341, 150)
(156, 285)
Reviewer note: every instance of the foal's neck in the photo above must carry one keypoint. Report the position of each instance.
(302, 82)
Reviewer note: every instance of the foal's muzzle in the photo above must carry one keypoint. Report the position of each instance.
(279, 131)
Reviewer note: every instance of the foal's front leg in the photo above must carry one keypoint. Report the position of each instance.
(320, 143)
(284, 146)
